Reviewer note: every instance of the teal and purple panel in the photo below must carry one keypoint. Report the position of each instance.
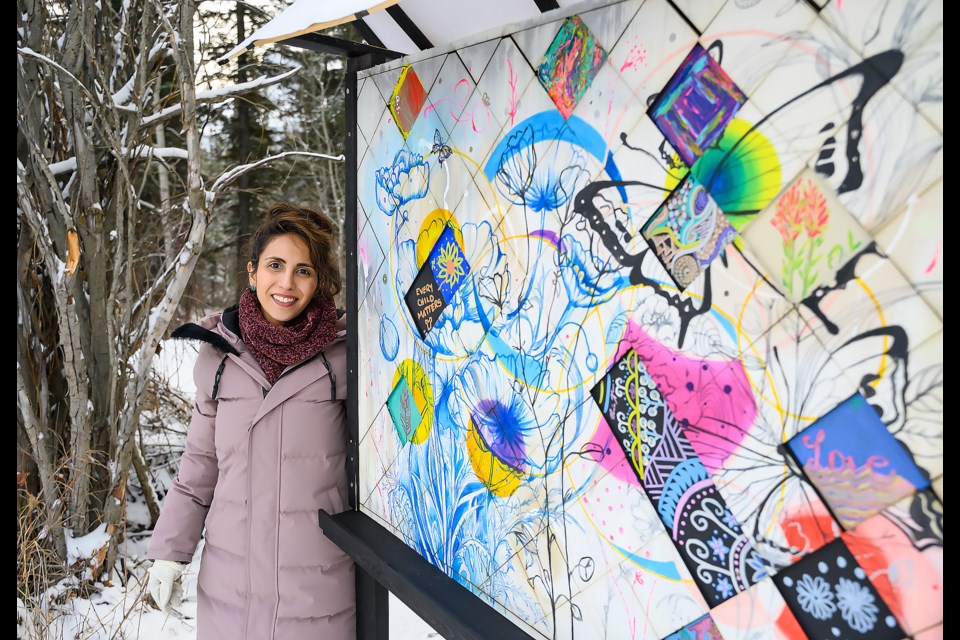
(688, 232)
(832, 597)
(722, 559)
(855, 463)
(694, 108)
(570, 64)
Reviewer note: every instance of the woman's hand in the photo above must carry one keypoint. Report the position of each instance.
(164, 584)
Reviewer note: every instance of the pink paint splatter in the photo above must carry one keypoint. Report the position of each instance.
(635, 57)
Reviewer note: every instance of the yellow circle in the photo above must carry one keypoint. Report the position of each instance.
(501, 479)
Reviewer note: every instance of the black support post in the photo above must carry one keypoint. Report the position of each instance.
(373, 608)
(353, 303)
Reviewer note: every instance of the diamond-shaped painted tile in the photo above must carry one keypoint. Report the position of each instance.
(667, 467)
(408, 97)
(804, 237)
(857, 466)
(832, 597)
(696, 105)
(570, 64)
(688, 232)
(403, 410)
(438, 280)
(424, 301)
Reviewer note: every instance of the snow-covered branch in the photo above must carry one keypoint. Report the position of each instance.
(145, 151)
(219, 95)
(27, 51)
(232, 174)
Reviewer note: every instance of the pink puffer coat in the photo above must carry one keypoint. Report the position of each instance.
(258, 464)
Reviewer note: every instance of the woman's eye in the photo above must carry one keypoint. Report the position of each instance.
(274, 265)
(304, 272)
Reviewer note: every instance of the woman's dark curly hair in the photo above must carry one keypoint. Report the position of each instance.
(315, 229)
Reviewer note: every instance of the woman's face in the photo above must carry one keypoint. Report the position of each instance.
(285, 278)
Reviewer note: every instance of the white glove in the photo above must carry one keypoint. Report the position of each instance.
(164, 584)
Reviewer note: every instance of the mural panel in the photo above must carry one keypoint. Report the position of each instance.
(650, 316)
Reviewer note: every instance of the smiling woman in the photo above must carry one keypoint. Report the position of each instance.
(266, 448)
(286, 277)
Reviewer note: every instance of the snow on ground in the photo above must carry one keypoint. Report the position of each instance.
(115, 610)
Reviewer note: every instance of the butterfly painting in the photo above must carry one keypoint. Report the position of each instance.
(440, 148)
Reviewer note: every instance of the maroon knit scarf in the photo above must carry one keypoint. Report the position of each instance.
(276, 347)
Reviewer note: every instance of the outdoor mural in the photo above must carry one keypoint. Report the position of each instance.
(651, 318)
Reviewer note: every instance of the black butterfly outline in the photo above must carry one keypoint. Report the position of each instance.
(869, 70)
(440, 148)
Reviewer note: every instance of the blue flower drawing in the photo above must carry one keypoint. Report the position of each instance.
(406, 179)
(535, 179)
(755, 562)
(723, 587)
(729, 519)
(720, 550)
(815, 597)
(856, 605)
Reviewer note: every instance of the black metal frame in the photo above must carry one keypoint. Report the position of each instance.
(385, 563)
(547, 5)
(409, 27)
(338, 46)
(354, 65)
